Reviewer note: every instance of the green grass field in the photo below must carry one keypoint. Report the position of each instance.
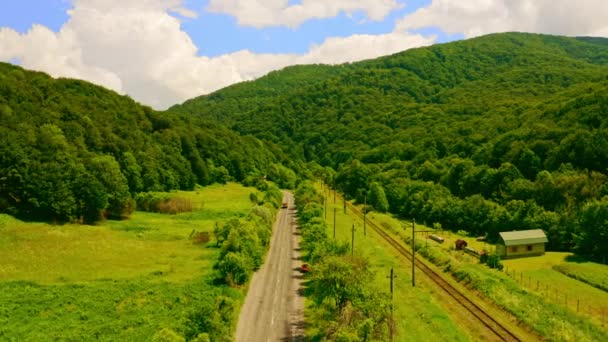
(539, 275)
(418, 317)
(591, 273)
(120, 280)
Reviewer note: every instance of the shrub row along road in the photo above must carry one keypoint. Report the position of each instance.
(274, 307)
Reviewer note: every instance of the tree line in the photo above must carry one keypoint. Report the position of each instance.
(73, 151)
(341, 286)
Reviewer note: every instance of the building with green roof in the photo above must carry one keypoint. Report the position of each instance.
(523, 243)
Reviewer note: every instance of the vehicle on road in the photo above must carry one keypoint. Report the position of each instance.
(304, 268)
(284, 205)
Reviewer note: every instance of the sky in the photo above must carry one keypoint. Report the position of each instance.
(163, 52)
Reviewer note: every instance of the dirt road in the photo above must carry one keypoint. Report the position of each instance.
(274, 307)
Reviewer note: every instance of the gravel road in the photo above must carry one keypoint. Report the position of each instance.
(274, 307)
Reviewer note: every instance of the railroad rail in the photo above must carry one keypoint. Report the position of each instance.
(486, 319)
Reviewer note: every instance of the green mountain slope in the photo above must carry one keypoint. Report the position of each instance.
(501, 132)
(71, 150)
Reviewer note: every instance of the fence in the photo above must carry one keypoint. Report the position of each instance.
(554, 295)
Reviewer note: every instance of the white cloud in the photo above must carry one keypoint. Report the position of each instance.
(359, 47)
(478, 17)
(57, 54)
(263, 13)
(136, 47)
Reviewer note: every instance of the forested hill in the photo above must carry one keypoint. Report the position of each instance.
(497, 133)
(70, 150)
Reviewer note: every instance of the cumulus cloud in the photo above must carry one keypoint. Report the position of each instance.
(478, 17)
(263, 13)
(136, 47)
(57, 54)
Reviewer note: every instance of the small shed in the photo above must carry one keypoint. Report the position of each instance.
(521, 243)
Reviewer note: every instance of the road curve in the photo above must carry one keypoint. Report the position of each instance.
(274, 306)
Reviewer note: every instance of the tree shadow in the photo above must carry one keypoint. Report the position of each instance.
(297, 326)
(577, 259)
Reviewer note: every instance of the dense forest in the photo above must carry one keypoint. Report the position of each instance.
(498, 133)
(73, 151)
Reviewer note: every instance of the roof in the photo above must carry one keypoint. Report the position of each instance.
(523, 237)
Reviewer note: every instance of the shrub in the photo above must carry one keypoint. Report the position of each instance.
(214, 321)
(200, 238)
(263, 213)
(158, 202)
(234, 268)
(492, 260)
(273, 196)
(253, 197)
(167, 335)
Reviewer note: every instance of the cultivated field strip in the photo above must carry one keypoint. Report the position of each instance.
(486, 319)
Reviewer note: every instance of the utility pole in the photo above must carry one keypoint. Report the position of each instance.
(413, 252)
(352, 250)
(365, 216)
(392, 276)
(344, 203)
(334, 196)
(334, 223)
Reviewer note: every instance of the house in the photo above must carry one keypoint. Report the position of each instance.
(521, 243)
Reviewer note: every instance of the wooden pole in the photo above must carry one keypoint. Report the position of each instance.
(365, 216)
(352, 252)
(413, 252)
(392, 305)
(334, 223)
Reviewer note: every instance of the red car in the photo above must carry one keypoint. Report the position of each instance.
(304, 268)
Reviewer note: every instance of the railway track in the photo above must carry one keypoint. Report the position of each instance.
(486, 319)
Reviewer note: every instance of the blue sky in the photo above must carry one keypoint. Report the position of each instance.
(22, 14)
(163, 52)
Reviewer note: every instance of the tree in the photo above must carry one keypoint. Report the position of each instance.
(591, 235)
(283, 176)
(341, 280)
(377, 198)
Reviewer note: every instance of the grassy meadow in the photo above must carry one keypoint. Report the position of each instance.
(591, 273)
(544, 276)
(418, 316)
(119, 280)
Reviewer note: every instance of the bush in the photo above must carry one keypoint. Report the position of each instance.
(164, 203)
(234, 268)
(273, 196)
(213, 322)
(167, 335)
(492, 260)
(199, 238)
(253, 197)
